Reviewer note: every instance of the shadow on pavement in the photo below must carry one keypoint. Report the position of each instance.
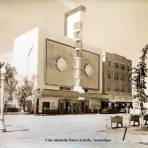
(21, 130)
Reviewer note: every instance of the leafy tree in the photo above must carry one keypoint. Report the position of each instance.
(9, 82)
(139, 78)
(24, 91)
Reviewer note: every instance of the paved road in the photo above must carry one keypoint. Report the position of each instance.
(65, 131)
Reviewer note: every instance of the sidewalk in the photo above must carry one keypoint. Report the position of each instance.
(27, 131)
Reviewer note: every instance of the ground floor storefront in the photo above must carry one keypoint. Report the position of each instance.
(66, 102)
(48, 105)
(70, 102)
(73, 106)
(108, 106)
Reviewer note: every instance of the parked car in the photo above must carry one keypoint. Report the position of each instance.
(108, 111)
(104, 111)
(113, 110)
(11, 109)
(122, 110)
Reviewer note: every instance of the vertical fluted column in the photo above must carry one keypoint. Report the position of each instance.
(78, 57)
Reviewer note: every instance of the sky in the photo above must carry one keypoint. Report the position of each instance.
(114, 26)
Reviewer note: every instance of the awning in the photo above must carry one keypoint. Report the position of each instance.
(70, 94)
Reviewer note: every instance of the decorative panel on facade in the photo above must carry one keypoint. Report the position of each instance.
(60, 62)
(90, 70)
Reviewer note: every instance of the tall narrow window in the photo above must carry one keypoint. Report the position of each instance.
(71, 18)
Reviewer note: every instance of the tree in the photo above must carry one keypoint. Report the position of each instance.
(24, 91)
(9, 82)
(140, 74)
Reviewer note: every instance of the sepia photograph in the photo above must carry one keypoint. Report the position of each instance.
(73, 73)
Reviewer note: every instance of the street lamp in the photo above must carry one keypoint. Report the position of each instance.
(2, 128)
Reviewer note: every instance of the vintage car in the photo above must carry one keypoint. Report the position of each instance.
(108, 111)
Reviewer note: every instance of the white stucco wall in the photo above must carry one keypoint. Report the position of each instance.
(25, 53)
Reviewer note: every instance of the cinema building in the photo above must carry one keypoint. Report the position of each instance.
(51, 62)
(48, 55)
(56, 84)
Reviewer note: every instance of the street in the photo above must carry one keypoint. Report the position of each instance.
(65, 131)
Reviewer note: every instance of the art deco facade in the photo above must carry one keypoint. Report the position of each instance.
(56, 81)
(52, 62)
(112, 82)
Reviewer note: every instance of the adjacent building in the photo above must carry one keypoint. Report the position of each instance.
(117, 76)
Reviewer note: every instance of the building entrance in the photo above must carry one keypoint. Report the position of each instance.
(69, 106)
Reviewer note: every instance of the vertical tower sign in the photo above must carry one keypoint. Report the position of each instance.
(78, 57)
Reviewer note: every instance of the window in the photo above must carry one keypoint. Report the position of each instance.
(117, 65)
(116, 76)
(129, 68)
(109, 63)
(123, 77)
(114, 64)
(71, 18)
(116, 88)
(45, 104)
(108, 89)
(109, 86)
(123, 88)
(122, 66)
(108, 75)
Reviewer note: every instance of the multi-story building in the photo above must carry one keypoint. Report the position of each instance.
(52, 63)
(117, 79)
